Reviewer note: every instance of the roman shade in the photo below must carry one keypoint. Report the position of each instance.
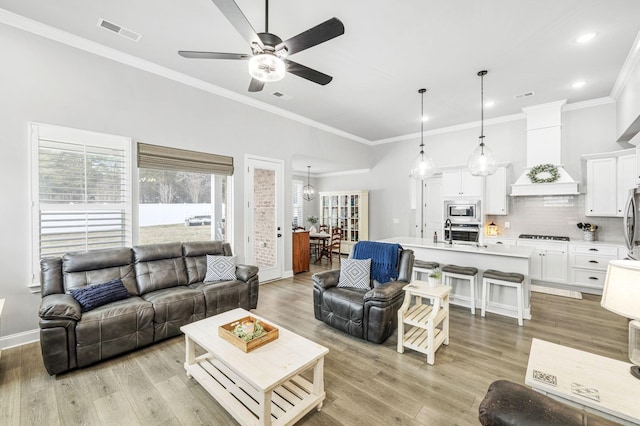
(165, 158)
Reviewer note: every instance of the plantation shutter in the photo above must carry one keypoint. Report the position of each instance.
(82, 191)
(165, 158)
(297, 203)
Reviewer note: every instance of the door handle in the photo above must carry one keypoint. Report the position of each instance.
(593, 249)
(593, 261)
(593, 278)
(279, 235)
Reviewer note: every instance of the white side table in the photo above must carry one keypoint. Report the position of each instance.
(429, 323)
(595, 383)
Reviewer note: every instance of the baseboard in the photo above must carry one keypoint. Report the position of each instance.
(19, 339)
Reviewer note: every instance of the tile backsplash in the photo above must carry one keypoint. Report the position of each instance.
(555, 215)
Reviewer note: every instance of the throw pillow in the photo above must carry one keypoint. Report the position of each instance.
(355, 273)
(220, 268)
(93, 296)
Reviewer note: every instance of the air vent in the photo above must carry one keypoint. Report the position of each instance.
(131, 35)
(282, 96)
(524, 95)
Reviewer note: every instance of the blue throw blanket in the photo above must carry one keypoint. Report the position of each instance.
(384, 259)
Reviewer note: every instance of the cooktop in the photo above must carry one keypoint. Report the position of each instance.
(543, 237)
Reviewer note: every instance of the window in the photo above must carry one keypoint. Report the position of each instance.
(81, 191)
(183, 195)
(298, 220)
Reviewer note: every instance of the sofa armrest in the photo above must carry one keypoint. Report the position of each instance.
(246, 272)
(59, 307)
(385, 292)
(326, 279)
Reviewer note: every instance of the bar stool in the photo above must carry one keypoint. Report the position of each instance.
(423, 267)
(507, 279)
(467, 273)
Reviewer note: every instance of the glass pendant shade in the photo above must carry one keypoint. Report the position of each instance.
(482, 162)
(266, 67)
(422, 167)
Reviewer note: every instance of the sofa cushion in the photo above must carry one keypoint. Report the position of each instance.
(159, 266)
(220, 268)
(173, 308)
(343, 308)
(355, 273)
(81, 269)
(97, 295)
(195, 257)
(223, 296)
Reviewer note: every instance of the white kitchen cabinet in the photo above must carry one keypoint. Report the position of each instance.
(461, 183)
(588, 265)
(608, 182)
(500, 241)
(549, 261)
(495, 200)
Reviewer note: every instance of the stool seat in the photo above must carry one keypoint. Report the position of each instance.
(512, 277)
(460, 270)
(425, 265)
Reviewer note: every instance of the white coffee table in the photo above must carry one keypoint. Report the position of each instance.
(581, 378)
(262, 387)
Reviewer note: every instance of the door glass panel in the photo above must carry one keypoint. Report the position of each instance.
(264, 214)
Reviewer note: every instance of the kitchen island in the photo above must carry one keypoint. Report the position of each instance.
(502, 300)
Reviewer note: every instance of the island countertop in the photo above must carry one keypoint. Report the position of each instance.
(492, 249)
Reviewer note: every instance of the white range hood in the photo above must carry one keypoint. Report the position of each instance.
(544, 146)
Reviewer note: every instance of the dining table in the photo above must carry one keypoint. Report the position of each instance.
(319, 239)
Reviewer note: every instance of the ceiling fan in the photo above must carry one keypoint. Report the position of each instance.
(268, 59)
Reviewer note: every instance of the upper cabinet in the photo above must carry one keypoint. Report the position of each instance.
(460, 183)
(496, 200)
(608, 182)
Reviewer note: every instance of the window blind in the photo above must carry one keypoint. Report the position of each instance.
(298, 220)
(165, 158)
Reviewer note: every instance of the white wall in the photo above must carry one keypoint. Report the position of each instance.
(44, 81)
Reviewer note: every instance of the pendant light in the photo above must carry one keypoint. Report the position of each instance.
(308, 192)
(423, 166)
(482, 162)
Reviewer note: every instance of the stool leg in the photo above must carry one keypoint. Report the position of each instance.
(472, 293)
(483, 302)
(520, 304)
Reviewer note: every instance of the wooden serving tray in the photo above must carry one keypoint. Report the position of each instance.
(226, 332)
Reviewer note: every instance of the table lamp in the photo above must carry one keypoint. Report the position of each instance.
(621, 295)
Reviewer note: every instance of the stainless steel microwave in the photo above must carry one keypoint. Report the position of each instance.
(458, 211)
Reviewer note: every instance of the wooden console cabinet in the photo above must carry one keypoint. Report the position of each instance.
(301, 251)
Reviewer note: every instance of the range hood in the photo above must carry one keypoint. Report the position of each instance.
(544, 146)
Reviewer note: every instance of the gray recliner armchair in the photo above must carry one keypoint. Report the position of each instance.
(370, 314)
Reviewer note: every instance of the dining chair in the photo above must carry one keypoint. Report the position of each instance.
(336, 240)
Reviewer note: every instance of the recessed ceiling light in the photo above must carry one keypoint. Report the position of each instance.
(586, 37)
(489, 104)
(578, 84)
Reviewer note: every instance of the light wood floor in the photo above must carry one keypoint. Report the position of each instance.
(366, 384)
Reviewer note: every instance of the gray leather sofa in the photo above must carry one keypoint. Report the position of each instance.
(166, 286)
(368, 314)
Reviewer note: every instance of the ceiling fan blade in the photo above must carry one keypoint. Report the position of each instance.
(212, 55)
(256, 85)
(234, 15)
(307, 73)
(325, 31)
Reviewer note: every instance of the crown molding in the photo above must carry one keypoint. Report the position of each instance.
(98, 49)
(632, 61)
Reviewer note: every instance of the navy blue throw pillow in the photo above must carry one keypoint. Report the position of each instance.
(93, 296)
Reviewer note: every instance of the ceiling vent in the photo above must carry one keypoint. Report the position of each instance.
(524, 95)
(282, 96)
(131, 35)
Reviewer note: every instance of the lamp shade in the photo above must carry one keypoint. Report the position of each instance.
(482, 162)
(621, 292)
(422, 167)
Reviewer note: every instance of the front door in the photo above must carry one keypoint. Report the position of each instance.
(264, 220)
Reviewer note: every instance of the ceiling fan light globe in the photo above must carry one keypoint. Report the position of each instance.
(266, 67)
(422, 167)
(482, 162)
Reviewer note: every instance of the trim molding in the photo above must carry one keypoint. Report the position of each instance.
(632, 61)
(19, 339)
(98, 49)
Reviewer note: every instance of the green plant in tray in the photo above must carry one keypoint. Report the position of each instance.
(248, 333)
